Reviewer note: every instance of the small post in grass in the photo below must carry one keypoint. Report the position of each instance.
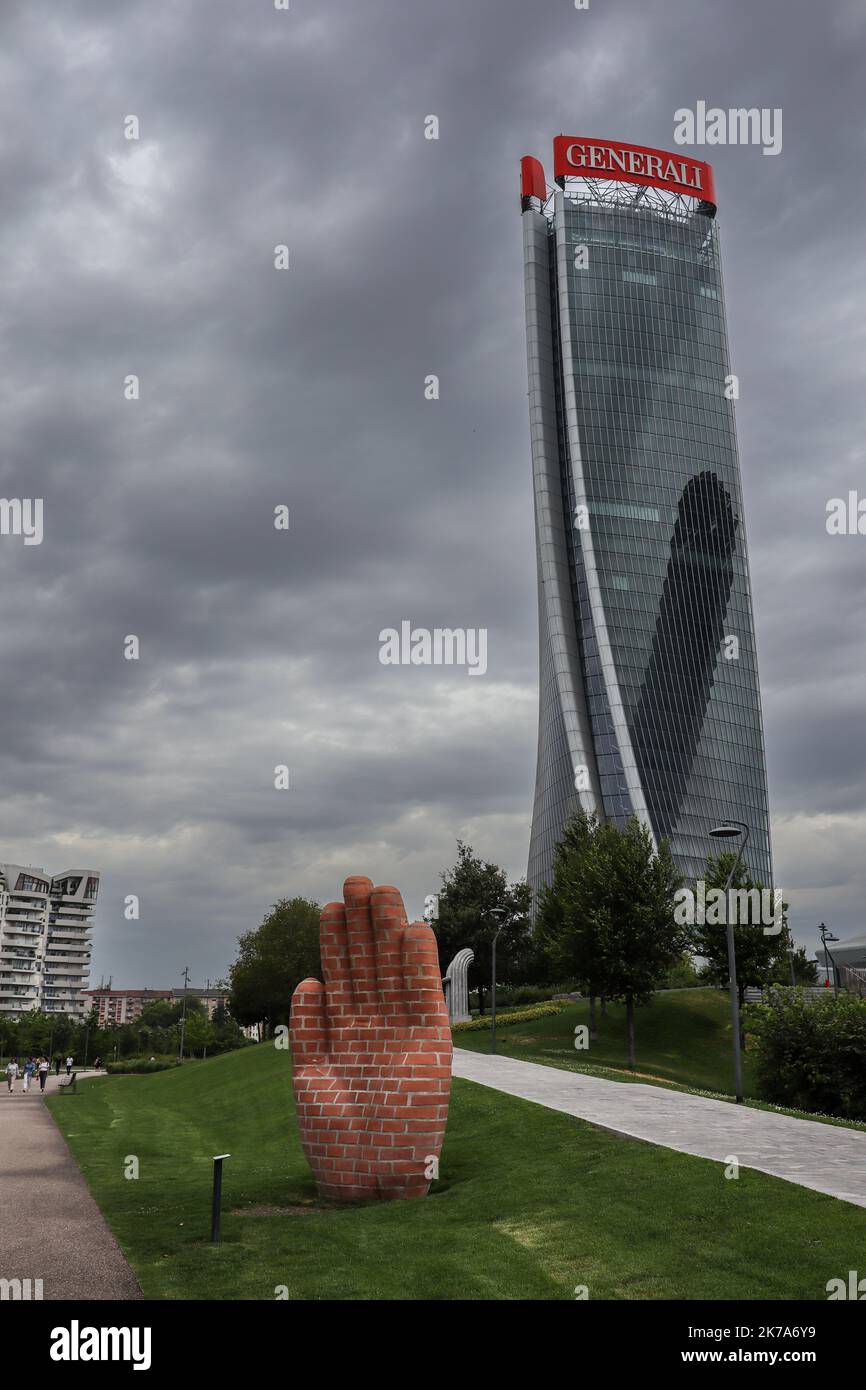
(217, 1195)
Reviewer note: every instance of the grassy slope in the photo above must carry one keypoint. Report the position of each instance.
(682, 1036)
(530, 1203)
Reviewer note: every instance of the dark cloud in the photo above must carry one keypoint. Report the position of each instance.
(306, 388)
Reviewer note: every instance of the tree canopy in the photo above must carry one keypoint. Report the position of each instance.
(762, 957)
(272, 961)
(608, 913)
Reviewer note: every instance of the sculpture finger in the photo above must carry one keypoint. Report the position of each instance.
(359, 933)
(422, 981)
(389, 920)
(334, 946)
(308, 1027)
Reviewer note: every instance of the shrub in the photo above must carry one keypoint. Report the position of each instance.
(134, 1066)
(811, 1056)
(682, 975)
(479, 1025)
(533, 994)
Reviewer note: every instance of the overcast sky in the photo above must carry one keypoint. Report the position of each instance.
(305, 388)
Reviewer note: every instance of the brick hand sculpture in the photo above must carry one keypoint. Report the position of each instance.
(371, 1050)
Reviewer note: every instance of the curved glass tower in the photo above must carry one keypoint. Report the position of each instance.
(649, 697)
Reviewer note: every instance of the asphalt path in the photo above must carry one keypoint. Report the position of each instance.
(50, 1227)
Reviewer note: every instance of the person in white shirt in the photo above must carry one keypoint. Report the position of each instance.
(43, 1071)
(69, 1061)
(12, 1071)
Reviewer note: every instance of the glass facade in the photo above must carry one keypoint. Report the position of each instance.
(649, 696)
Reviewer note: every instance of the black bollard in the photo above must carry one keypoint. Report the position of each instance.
(217, 1195)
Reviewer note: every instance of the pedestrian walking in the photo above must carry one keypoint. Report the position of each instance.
(29, 1069)
(57, 1066)
(69, 1061)
(12, 1071)
(44, 1065)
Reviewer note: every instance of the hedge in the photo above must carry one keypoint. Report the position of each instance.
(512, 996)
(136, 1066)
(480, 1025)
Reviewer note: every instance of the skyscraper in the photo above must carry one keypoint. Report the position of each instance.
(649, 699)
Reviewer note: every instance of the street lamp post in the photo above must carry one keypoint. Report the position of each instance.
(826, 936)
(726, 832)
(494, 912)
(206, 1018)
(183, 1010)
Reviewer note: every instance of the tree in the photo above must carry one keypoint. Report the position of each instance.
(272, 961)
(630, 893)
(609, 912)
(159, 1013)
(469, 892)
(762, 957)
(564, 930)
(805, 970)
(220, 1018)
(34, 1033)
(197, 1031)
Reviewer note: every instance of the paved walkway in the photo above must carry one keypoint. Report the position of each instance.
(823, 1157)
(50, 1226)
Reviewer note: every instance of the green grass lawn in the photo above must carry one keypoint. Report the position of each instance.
(683, 1036)
(530, 1203)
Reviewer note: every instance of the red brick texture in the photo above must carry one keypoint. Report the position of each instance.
(371, 1051)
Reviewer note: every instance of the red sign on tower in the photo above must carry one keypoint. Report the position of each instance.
(581, 157)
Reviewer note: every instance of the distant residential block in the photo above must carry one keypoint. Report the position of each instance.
(45, 939)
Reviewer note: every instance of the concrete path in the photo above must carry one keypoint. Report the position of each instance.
(823, 1157)
(50, 1226)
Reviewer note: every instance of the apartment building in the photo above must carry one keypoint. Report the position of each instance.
(45, 939)
(117, 1006)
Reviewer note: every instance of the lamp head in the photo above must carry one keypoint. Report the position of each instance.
(726, 832)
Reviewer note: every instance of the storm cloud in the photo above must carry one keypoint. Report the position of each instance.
(305, 388)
